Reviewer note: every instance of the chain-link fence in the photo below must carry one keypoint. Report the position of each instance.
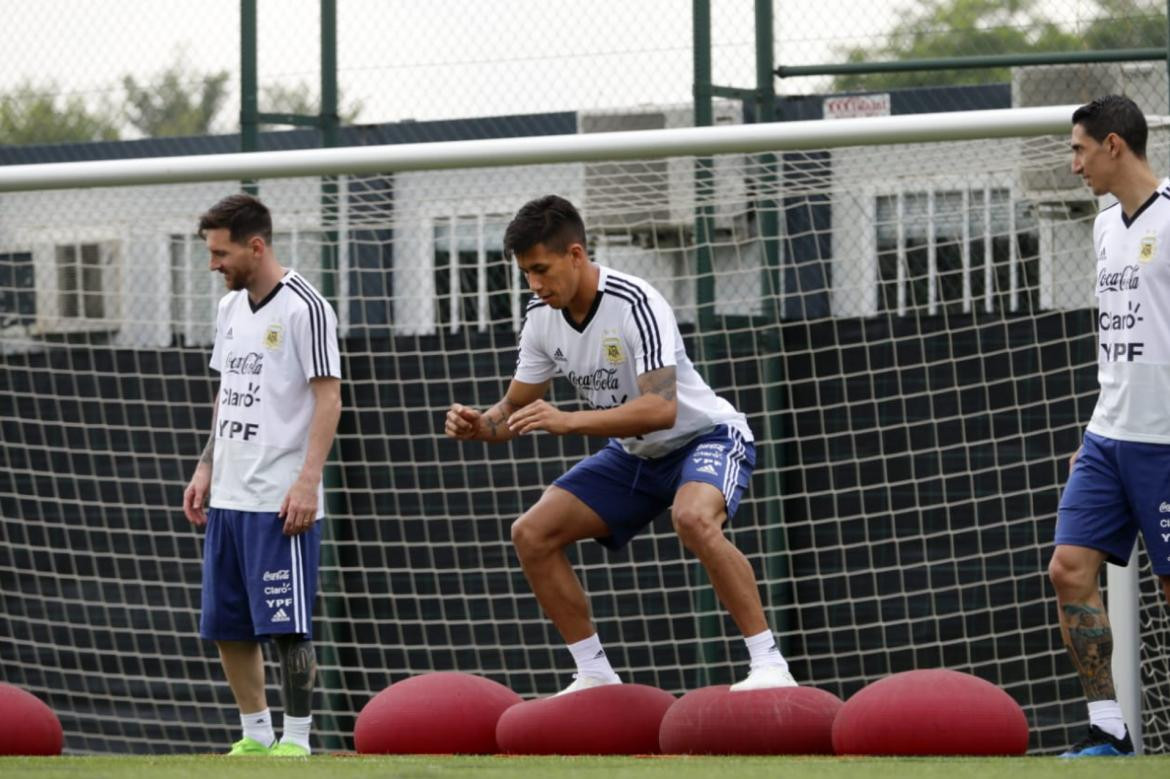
(102, 71)
(134, 68)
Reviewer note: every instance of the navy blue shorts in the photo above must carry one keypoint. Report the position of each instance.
(628, 492)
(256, 580)
(1115, 489)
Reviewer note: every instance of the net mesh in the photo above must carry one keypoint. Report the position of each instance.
(915, 353)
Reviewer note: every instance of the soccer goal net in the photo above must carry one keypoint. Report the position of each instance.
(903, 309)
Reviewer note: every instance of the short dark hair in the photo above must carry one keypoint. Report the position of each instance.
(1114, 114)
(550, 220)
(242, 215)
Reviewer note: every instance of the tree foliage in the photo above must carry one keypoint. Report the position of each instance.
(1127, 24)
(32, 114)
(961, 28)
(302, 99)
(178, 101)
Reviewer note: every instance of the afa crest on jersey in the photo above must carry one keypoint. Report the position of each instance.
(273, 337)
(612, 348)
(1147, 248)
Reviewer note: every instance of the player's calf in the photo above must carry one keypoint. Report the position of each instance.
(298, 673)
(298, 677)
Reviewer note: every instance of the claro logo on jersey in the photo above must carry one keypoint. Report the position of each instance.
(1118, 281)
(250, 364)
(247, 398)
(1108, 320)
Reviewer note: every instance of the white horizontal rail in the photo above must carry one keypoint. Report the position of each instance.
(646, 144)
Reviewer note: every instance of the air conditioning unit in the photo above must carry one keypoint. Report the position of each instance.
(655, 195)
(1041, 85)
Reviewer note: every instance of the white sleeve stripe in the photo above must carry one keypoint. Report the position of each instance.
(655, 347)
(315, 328)
(652, 359)
(317, 325)
(321, 332)
(647, 347)
(322, 307)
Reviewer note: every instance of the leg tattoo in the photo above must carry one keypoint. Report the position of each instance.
(1090, 644)
(298, 673)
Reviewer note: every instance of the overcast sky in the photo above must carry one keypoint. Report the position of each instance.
(434, 58)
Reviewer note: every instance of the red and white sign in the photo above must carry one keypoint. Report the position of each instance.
(853, 106)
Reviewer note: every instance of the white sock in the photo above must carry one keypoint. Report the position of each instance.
(258, 727)
(764, 650)
(591, 659)
(1107, 716)
(296, 731)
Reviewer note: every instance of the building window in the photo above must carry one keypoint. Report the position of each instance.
(86, 281)
(474, 284)
(18, 293)
(195, 291)
(957, 252)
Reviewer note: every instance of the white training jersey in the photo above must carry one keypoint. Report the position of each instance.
(266, 355)
(1133, 321)
(630, 330)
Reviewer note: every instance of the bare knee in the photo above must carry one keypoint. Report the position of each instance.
(1073, 576)
(697, 529)
(531, 539)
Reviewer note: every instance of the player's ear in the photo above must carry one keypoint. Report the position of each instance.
(256, 244)
(1113, 144)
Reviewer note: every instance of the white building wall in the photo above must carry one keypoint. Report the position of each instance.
(422, 199)
(142, 308)
(160, 286)
(862, 175)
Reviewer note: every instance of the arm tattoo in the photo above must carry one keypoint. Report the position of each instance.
(493, 424)
(504, 409)
(1091, 648)
(298, 673)
(658, 382)
(208, 455)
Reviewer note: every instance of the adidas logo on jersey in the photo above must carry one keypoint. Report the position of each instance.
(559, 355)
(228, 335)
(280, 616)
(707, 469)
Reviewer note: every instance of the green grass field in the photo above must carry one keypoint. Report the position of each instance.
(430, 767)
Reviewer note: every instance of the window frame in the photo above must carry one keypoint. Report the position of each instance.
(447, 246)
(977, 228)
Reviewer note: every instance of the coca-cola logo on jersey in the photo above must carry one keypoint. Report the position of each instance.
(1118, 281)
(249, 364)
(600, 379)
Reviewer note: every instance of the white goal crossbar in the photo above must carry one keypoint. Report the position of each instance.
(648, 144)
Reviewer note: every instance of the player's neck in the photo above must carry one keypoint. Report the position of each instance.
(268, 275)
(582, 302)
(1135, 187)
